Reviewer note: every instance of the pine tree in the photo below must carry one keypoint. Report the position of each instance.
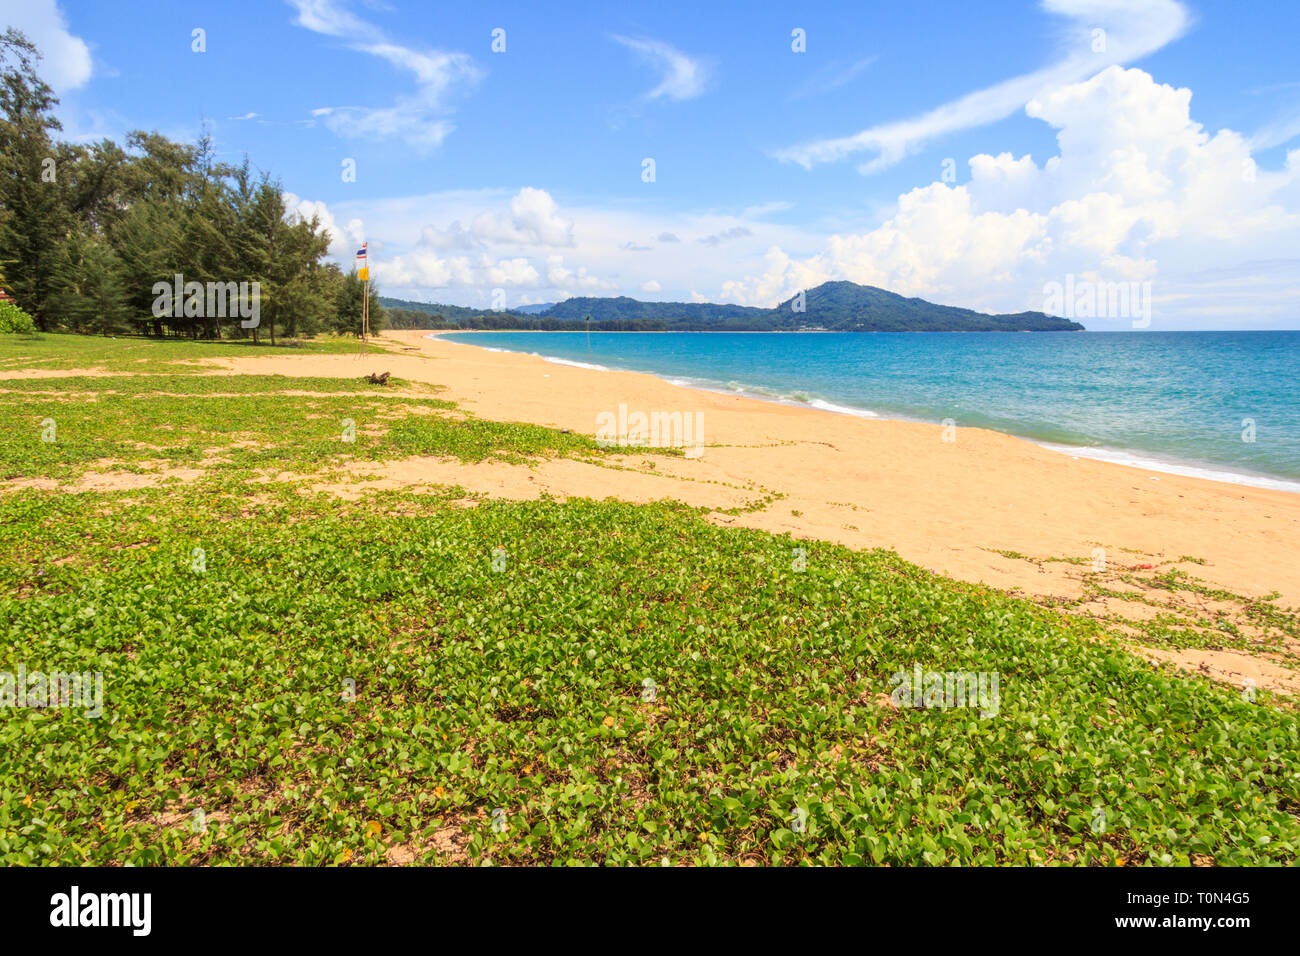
(34, 221)
(91, 294)
(348, 297)
(89, 231)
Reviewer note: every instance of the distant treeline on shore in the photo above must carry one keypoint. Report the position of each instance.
(403, 314)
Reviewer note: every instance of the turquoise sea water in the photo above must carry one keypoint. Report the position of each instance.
(1172, 401)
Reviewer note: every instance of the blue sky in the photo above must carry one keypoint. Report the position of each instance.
(522, 171)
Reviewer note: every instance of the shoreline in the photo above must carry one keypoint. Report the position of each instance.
(1124, 457)
(987, 508)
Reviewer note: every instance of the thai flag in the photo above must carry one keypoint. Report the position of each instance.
(361, 253)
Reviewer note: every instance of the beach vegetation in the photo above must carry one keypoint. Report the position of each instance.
(292, 675)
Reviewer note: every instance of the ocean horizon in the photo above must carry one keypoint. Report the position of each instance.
(1217, 405)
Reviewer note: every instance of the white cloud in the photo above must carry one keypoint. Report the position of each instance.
(534, 218)
(418, 119)
(1138, 191)
(454, 236)
(508, 245)
(831, 77)
(1276, 133)
(682, 78)
(344, 240)
(324, 16)
(456, 246)
(1133, 29)
(66, 63)
(561, 276)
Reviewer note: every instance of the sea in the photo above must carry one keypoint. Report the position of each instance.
(1220, 405)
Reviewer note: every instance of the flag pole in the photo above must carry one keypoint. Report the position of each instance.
(364, 259)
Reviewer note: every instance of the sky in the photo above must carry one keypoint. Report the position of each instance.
(976, 155)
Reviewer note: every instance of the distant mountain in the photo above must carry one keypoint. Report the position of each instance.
(534, 309)
(831, 306)
(675, 314)
(406, 314)
(849, 307)
(449, 312)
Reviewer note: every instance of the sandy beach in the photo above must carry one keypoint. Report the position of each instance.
(983, 507)
(874, 483)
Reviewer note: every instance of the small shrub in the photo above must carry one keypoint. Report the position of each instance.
(14, 319)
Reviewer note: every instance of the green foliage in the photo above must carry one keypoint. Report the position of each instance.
(33, 217)
(523, 689)
(92, 295)
(349, 292)
(403, 318)
(381, 679)
(15, 320)
(93, 228)
(245, 425)
(405, 314)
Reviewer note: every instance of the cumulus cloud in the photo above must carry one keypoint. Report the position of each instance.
(419, 119)
(509, 245)
(534, 218)
(457, 246)
(1138, 191)
(427, 270)
(1131, 30)
(1135, 190)
(344, 239)
(453, 236)
(66, 63)
(681, 77)
(531, 220)
(561, 276)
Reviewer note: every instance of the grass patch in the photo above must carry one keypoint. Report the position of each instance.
(521, 690)
(249, 421)
(54, 351)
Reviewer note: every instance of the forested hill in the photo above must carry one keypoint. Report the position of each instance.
(849, 307)
(833, 306)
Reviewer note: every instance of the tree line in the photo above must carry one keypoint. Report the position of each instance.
(403, 318)
(89, 233)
